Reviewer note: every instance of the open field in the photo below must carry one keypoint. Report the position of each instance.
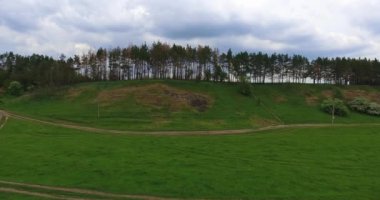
(162, 105)
(293, 163)
(275, 145)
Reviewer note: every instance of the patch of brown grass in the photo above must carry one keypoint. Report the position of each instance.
(280, 99)
(158, 96)
(352, 94)
(73, 93)
(311, 100)
(261, 122)
(327, 94)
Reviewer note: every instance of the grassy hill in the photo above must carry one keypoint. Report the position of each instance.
(183, 105)
(186, 105)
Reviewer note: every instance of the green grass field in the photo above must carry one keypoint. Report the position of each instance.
(302, 163)
(270, 105)
(337, 162)
(16, 197)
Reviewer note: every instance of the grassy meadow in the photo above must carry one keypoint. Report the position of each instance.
(302, 163)
(337, 162)
(149, 105)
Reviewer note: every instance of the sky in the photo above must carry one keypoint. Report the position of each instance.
(312, 28)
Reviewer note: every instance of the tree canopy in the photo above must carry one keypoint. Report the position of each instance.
(163, 61)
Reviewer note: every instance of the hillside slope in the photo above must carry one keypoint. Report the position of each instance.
(185, 105)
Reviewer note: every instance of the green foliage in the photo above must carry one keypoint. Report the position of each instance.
(3, 77)
(245, 87)
(363, 105)
(15, 88)
(38, 70)
(223, 76)
(337, 93)
(334, 105)
(208, 75)
(189, 73)
(161, 61)
(359, 104)
(374, 109)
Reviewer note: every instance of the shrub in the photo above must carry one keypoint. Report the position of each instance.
(334, 104)
(359, 104)
(245, 87)
(208, 75)
(15, 88)
(337, 93)
(373, 109)
(363, 105)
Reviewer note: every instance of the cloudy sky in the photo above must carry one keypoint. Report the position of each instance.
(312, 28)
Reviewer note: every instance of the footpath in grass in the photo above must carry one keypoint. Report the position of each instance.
(299, 163)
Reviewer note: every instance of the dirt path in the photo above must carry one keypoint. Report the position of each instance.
(110, 131)
(3, 118)
(10, 188)
(176, 133)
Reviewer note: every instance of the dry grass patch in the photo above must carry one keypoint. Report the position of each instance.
(158, 96)
(280, 99)
(261, 122)
(327, 94)
(73, 93)
(311, 100)
(352, 94)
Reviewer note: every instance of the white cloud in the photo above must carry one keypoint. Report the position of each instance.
(82, 48)
(316, 27)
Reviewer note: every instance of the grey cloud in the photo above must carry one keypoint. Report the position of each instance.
(16, 24)
(201, 30)
(222, 23)
(25, 15)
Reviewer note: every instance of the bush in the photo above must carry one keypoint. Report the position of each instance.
(337, 93)
(359, 104)
(245, 87)
(207, 75)
(15, 88)
(363, 105)
(334, 104)
(373, 109)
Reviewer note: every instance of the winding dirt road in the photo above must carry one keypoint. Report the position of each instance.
(7, 114)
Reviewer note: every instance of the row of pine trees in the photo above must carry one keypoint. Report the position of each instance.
(164, 61)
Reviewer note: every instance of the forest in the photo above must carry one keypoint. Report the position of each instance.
(202, 63)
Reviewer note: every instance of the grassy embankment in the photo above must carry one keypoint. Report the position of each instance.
(183, 105)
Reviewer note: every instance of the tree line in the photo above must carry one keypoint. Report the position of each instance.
(37, 70)
(163, 61)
